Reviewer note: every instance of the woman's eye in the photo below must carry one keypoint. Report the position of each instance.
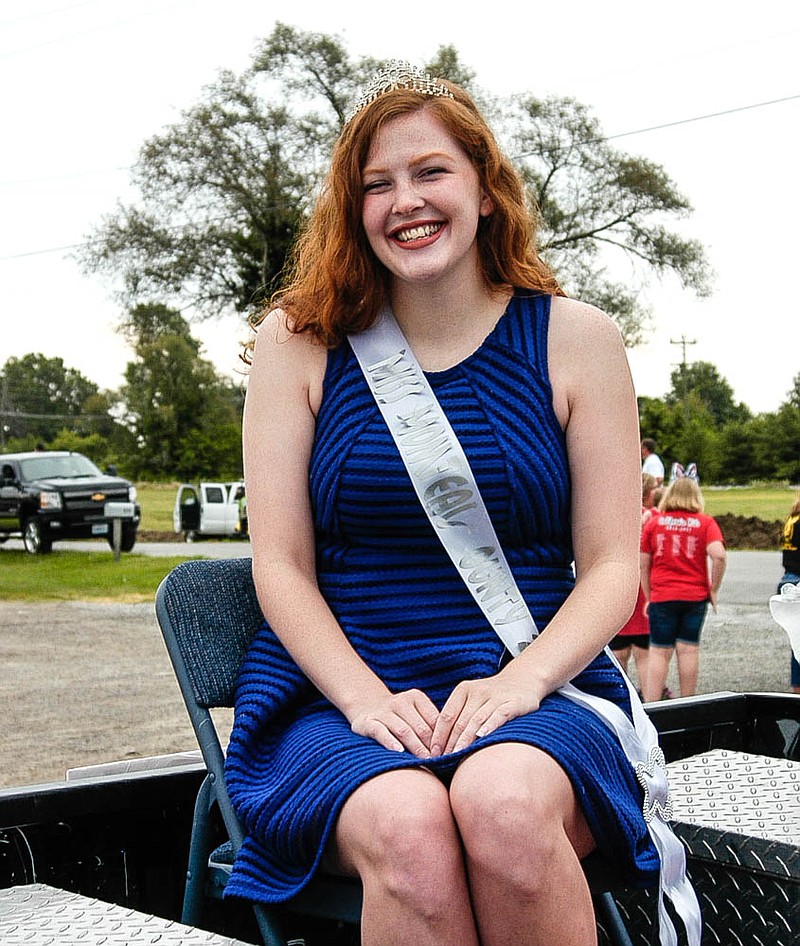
(373, 186)
(432, 172)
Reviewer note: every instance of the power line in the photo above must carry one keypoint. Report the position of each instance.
(10, 415)
(41, 13)
(700, 118)
(66, 37)
(622, 134)
(678, 122)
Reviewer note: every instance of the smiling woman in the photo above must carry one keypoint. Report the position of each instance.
(420, 354)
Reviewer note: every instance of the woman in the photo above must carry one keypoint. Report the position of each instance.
(790, 558)
(677, 544)
(635, 635)
(378, 728)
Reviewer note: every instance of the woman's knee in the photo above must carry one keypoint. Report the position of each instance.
(398, 830)
(516, 804)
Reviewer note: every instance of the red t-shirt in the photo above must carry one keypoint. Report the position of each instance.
(637, 623)
(677, 541)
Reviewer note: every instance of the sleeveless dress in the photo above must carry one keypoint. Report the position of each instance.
(292, 759)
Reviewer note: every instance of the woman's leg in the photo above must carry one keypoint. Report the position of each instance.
(664, 623)
(794, 674)
(657, 669)
(688, 667)
(687, 645)
(640, 662)
(396, 832)
(623, 655)
(524, 836)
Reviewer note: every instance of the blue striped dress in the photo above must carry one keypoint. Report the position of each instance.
(293, 759)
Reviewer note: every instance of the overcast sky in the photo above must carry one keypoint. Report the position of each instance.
(85, 83)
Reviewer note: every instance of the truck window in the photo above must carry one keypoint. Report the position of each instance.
(215, 494)
(72, 466)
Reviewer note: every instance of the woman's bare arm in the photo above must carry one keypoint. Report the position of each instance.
(283, 396)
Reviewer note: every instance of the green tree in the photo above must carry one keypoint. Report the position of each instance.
(744, 453)
(184, 417)
(40, 395)
(662, 423)
(702, 380)
(793, 396)
(683, 436)
(597, 203)
(222, 194)
(223, 191)
(782, 442)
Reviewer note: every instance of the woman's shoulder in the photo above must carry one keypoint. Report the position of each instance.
(276, 333)
(586, 354)
(289, 357)
(575, 314)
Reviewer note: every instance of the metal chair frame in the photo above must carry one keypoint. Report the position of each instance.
(208, 613)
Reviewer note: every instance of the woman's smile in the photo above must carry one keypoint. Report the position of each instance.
(418, 233)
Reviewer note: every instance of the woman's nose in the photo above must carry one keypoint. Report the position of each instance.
(407, 198)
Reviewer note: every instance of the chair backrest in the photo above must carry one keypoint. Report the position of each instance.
(208, 613)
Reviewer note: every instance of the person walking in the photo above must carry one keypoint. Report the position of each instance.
(790, 559)
(634, 637)
(651, 461)
(677, 545)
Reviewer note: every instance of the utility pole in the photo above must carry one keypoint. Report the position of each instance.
(3, 408)
(683, 341)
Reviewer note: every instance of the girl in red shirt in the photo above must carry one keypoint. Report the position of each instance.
(634, 637)
(677, 544)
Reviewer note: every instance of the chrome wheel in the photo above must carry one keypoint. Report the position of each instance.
(34, 539)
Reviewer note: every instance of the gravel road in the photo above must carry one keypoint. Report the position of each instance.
(83, 682)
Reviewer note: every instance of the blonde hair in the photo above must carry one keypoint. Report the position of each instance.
(683, 494)
(335, 283)
(795, 510)
(649, 483)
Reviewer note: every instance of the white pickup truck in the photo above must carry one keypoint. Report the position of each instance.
(210, 509)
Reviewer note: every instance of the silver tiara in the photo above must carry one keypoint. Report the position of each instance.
(399, 75)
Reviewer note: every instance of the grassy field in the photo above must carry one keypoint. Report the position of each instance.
(157, 501)
(768, 502)
(81, 576)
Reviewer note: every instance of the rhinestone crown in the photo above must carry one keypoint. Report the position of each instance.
(398, 75)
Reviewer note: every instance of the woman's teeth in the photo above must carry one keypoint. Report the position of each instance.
(417, 233)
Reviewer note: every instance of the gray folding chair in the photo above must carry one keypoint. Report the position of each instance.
(208, 613)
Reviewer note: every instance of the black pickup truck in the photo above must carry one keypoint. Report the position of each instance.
(46, 496)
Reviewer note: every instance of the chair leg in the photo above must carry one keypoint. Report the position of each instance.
(612, 919)
(197, 871)
(199, 851)
(268, 926)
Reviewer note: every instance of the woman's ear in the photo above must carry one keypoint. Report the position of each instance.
(486, 205)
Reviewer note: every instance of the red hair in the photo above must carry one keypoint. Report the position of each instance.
(336, 285)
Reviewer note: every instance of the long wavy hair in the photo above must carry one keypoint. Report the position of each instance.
(336, 285)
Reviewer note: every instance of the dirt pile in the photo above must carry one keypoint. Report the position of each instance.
(147, 535)
(750, 532)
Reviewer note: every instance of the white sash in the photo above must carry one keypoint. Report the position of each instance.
(446, 487)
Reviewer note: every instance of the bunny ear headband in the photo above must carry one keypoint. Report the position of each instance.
(690, 472)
